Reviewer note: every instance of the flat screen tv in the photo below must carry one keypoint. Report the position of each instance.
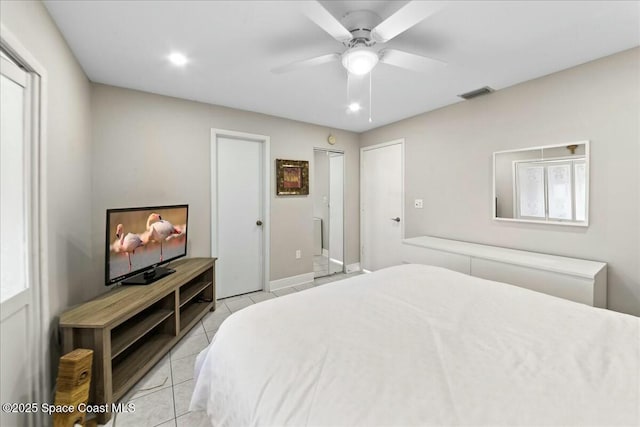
(140, 240)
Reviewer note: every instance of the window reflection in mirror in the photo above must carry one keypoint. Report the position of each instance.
(543, 184)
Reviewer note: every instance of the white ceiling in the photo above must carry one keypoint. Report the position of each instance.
(233, 45)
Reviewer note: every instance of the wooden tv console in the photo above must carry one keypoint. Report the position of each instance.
(131, 328)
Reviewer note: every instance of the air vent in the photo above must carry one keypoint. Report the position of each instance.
(478, 92)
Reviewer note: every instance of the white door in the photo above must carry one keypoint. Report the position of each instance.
(240, 219)
(336, 212)
(382, 201)
(18, 317)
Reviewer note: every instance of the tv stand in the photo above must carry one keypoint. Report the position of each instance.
(130, 328)
(148, 277)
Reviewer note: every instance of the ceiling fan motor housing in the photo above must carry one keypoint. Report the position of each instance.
(360, 23)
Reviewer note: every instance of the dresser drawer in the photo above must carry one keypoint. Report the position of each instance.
(560, 285)
(417, 255)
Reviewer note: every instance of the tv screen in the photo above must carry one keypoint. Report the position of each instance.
(140, 239)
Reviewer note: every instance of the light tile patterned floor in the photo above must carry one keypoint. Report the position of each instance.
(162, 397)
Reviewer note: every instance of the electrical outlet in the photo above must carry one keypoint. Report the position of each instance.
(298, 254)
(417, 203)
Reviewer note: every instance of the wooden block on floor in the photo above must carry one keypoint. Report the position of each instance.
(72, 386)
(74, 369)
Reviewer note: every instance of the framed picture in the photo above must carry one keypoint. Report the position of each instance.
(292, 177)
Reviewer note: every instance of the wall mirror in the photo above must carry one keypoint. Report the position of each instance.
(328, 212)
(547, 184)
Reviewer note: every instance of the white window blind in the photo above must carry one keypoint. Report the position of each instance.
(580, 173)
(531, 180)
(552, 189)
(559, 197)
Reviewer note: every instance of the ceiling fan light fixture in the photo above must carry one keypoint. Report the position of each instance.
(359, 60)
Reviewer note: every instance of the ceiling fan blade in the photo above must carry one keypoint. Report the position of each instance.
(410, 61)
(305, 63)
(321, 16)
(405, 18)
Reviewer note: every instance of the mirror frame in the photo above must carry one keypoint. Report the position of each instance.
(587, 156)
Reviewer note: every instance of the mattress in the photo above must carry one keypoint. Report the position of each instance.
(421, 345)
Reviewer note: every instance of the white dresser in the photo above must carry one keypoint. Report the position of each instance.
(573, 279)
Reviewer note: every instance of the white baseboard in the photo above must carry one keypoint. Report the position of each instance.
(353, 267)
(365, 271)
(288, 282)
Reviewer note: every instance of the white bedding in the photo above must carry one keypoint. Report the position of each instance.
(421, 345)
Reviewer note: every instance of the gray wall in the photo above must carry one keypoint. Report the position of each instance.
(66, 169)
(141, 140)
(448, 164)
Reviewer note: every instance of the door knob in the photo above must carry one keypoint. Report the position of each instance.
(258, 222)
(396, 219)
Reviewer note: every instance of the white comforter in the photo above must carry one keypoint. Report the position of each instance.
(421, 345)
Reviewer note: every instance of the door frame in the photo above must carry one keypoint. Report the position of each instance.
(344, 199)
(401, 142)
(37, 258)
(266, 196)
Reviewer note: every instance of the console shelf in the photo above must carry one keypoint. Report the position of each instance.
(126, 337)
(130, 328)
(189, 314)
(187, 292)
(126, 372)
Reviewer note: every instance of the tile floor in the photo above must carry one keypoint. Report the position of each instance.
(162, 397)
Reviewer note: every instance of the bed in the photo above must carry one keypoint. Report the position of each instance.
(421, 345)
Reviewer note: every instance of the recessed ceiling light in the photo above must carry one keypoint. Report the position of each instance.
(178, 59)
(354, 106)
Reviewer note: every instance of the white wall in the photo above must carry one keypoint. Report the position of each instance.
(449, 165)
(69, 277)
(152, 150)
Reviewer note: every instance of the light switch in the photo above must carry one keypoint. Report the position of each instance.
(417, 203)
(298, 254)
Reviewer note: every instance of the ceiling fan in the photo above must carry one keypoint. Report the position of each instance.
(361, 30)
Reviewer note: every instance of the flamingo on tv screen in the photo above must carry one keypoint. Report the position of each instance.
(158, 230)
(126, 243)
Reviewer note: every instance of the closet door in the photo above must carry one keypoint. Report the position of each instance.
(336, 212)
(321, 227)
(327, 190)
(382, 202)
